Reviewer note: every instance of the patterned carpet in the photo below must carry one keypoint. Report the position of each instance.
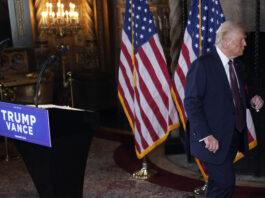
(110, 164)
(103, 178)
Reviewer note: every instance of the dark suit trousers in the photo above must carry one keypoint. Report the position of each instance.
(221, 182)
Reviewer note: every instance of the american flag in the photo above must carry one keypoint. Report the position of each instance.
(205, 18)
(144, 85)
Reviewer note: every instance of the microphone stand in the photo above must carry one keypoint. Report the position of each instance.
(49, 61)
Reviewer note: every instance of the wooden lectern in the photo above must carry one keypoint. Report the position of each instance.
(58, 172)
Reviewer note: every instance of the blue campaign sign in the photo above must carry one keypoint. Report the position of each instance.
(25, 123)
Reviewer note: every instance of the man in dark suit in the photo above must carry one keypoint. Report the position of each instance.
(215, 103)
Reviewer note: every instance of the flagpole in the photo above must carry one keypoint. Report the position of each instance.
(133, 57)
(200, 26)
(144, 173)
(144, 91)
(70, 80)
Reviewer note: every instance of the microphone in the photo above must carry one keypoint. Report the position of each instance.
(48, 62)
(3, 44)
(58, 54)
(4, 41)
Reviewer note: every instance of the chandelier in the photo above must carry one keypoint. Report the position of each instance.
(59, 19)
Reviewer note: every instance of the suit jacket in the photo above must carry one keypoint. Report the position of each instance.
(210, 107)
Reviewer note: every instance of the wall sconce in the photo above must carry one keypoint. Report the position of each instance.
(55, 19)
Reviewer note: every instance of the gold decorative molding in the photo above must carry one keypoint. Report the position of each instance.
(20, 18)
(88, 19)
(38, 5)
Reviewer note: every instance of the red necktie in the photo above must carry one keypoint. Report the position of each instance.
(240, 119)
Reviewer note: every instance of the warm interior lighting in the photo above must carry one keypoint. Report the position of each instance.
(58, 15)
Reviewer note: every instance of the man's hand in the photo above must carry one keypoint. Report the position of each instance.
(256, 102)
(211, 143)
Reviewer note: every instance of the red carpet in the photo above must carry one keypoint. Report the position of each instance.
(126, 159)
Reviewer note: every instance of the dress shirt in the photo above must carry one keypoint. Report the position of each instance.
(225, 61)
